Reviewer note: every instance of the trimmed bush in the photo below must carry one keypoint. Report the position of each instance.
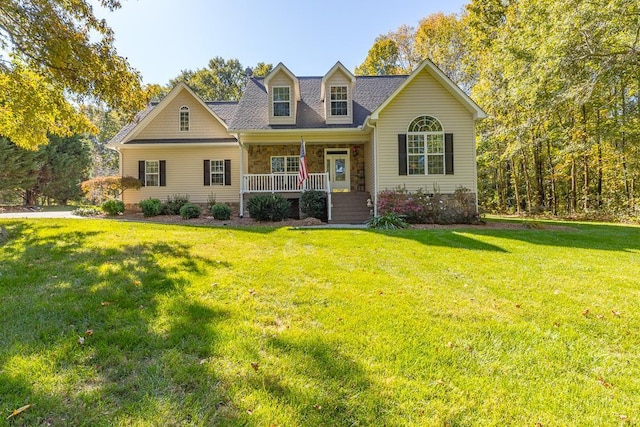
(268, 207)
(221, 211)
(113, 207)
(174, 203)
(314, 204)
(189, 211)
(150, 207)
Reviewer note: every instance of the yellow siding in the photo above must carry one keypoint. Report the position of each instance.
(369, 173)
(425, 96)
(185, 173)
(338, 79)
(278, 80)
(166, 124)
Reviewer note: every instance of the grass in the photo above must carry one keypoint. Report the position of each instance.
(109, 323)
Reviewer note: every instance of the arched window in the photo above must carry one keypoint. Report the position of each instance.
(184, 118)
(425, 147)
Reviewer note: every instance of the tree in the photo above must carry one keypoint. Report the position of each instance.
(65, 163)
(57, 49)
(18, 171)
(221, 80)
(382, 59)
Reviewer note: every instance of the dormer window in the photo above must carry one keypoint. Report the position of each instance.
(184, 119)
(282, 101)
(339, 97)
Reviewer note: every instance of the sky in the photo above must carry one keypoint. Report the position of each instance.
(160, 38)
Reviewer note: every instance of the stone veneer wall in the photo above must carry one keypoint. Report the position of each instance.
(260, 159)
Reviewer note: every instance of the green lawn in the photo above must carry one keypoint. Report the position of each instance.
(307, 327)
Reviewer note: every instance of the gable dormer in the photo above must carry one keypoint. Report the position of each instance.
(337, 94)
(283, 90)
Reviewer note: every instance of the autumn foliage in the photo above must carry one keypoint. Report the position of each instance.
(103, 188)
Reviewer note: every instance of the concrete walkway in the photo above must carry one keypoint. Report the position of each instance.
(29, 214)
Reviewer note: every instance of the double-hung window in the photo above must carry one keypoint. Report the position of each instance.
(217, 172)
(285, 164)
(152, 173)
(339, 97)
(282, 101)
(425, 147)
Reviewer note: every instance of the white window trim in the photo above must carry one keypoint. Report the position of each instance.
(212, 173)
(286, 171)
(426, 153)
(273, 101)
(146, 173)
(184, 108)
(331, 101)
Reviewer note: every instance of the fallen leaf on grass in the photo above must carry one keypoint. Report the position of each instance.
(249, 411)
(89, 332)
(137, 282)
(255, 366)
(585, 313)
(318, 407)
(105, 303)
(253, 292)
(19, 411)
(81, 340)
(518, 305)
(615, 313)
(602, 381)
(450, 344)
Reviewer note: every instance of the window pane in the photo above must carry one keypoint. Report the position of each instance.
(435, 144)
(151, 167)
(277, 165)
(416, 165)
(338, 108)
(281, 94)
(293, 164)
(338, 93)
(152, 180)
(436, 164)
(415, 144)
(281, 109)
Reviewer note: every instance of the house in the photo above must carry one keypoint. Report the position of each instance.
(363, 134)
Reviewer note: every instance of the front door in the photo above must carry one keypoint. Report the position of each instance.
(337, 164)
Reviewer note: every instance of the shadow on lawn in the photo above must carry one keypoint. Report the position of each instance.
(139, 356)
(320, 385)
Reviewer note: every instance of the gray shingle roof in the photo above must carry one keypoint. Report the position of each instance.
(223, 109)
(370, 92)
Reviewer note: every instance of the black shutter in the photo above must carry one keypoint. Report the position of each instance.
(448, 153)
(402, 154)
(207, 172)
(227, 172)
(141, 172)
(163, 173)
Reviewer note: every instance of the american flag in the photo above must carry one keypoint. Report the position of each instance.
(303, 173)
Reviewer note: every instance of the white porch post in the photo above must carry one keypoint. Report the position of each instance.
(241, 177)
(328, 187)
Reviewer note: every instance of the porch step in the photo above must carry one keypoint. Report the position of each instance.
(350, 208)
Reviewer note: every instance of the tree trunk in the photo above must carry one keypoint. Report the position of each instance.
(599, 145)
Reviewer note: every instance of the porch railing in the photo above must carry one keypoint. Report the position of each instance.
(283, 183)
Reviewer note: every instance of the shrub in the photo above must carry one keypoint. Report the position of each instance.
(88, 211)
(174, 203)
(423, 208)
(388, 221)
(268, 207)
(314, 204)
(101, 188)
(189, 210)
(113, 207)
(221, 211)
(150, 207)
